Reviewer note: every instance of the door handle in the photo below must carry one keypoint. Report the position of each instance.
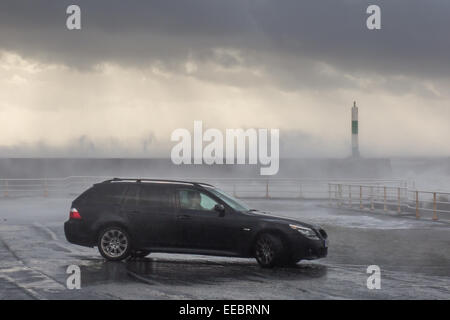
(183, 216)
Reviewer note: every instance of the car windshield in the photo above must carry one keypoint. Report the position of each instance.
(229, 200)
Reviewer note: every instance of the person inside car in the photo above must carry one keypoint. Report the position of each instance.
(195, 201)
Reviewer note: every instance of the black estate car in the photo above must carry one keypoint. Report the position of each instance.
(133, 217)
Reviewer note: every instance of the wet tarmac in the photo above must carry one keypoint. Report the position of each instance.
(414, 257)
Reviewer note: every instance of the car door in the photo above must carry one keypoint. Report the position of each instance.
(199, 225)
(150, 212)
(157, 214)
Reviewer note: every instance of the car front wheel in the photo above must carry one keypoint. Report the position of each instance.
(114, 243)
(269, 250)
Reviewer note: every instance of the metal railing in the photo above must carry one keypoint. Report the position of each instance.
(245, 188)
(365, 194)
(429, 202)
(46, 186)
(389, 198)
(287, 188)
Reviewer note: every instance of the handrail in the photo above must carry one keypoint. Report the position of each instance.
(365, 193)
(268, 188)
(397, 198)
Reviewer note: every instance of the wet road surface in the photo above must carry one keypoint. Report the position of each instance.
(414, 257)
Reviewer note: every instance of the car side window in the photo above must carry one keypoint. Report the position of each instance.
(195, 200)
(131, 196)
(154, 197)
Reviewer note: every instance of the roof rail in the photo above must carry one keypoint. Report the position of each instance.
(140, 180)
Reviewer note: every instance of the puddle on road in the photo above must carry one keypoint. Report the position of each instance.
(192, 272)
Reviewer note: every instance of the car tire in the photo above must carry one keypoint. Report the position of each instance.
(269, 250)
(139, 253)
(114, 243)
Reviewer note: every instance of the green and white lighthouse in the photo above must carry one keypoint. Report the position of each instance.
(355, 146)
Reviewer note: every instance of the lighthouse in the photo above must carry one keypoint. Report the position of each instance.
(355, 146)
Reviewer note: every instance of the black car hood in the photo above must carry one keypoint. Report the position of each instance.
(279, 218)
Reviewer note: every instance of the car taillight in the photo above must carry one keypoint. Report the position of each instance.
(74, 214)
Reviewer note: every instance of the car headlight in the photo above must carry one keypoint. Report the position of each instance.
(307, 232)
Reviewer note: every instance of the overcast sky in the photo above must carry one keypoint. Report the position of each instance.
(137, 70)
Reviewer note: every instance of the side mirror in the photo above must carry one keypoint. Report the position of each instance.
(220, 208)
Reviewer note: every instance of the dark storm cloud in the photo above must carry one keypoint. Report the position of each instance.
(286, 38)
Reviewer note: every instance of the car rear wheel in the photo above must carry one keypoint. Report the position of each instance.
(114, 243)
(269, 250)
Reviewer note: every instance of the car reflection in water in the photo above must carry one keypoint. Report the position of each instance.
(193, 271)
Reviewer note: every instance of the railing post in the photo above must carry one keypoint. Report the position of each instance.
(350, 195)
(329, 193)
(336, 193)
(45, 188)
(371, 199)
(434, 207)
(234, 190)
(399, 210)
(267, 189)
(340, 195)
(338, 198)
(5, 192)
(300, 191)
(417, 205)
(385, 199)
(360, 198)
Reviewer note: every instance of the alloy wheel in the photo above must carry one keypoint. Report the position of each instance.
(265, 251)
(114, 243)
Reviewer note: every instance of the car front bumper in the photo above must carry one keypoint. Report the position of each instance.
(308, 249)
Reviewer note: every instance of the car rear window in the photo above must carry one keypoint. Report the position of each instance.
(107, 194)
(85, 195)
